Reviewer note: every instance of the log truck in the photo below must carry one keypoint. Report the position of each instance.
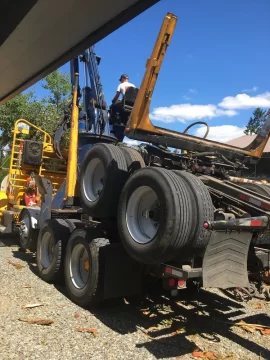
(123, 213)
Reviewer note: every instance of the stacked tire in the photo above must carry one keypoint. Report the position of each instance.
(161, 215)
(104, 171)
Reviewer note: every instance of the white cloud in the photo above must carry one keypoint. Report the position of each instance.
(130, 141)
(193, 91)
(244, 101)
(222, 133)
(253, 89)
(188, 112)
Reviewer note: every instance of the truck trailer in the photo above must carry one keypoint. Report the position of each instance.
(126, 213)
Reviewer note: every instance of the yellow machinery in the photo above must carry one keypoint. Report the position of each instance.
(28, 158)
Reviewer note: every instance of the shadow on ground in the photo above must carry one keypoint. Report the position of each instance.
(193, 313)
(9, 240)
(171, 321)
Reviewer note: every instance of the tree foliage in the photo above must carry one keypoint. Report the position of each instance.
(59, 87)
(43, 112)
(256, 122)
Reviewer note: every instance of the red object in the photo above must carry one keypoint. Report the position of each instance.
(265, 206)
(181, 283)
(172, 282)
(168, 270)
(256, 223)
(30, 200)
(206, 225)
(244, 197)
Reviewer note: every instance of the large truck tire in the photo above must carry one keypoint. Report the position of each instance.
(204, 210)
(51, 244)
(28, 234)
(74, 224)
(84, 270)
(134, 160)
(155, 215)
(102, 176)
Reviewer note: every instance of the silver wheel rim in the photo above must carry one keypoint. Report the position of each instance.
(142, 216)
(79, 266)
(25, 226)
(46, 250)
(93, 181)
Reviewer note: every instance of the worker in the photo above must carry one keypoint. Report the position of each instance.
(117, 104)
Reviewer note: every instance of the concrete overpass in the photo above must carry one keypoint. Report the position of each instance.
(38, 36)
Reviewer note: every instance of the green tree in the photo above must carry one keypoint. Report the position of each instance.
(22, 106)
(43, 112)
(59, 87)
(256, 122)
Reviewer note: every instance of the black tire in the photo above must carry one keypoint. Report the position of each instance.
(74, 224)
(175, 215)
(204, 210)
(28, 241)
(91, 292)
(134, 160)
(60, 232)
(261, 189)
(114, 163)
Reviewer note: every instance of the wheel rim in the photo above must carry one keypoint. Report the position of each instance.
(79, 266)
(143, 214)
(25, 226)
(93, 181)
(46, 250)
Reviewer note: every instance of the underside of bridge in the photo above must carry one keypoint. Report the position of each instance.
(38, 36)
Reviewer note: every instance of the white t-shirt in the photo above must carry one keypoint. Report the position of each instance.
(123, 87)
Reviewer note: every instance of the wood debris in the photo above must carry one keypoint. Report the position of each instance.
(205, 355)
(37, 321)
(30, 306)
(16, 265)
(259, 306)
(264, 329)
(88, 330)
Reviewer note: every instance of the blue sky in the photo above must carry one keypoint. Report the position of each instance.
(216, 68)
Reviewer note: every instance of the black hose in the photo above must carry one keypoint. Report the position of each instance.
(198, 123)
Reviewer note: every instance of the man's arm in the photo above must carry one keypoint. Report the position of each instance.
(116, 97)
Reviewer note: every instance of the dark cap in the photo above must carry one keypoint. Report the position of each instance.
(125, 76)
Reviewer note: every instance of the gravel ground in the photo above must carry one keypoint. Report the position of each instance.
(157, 329)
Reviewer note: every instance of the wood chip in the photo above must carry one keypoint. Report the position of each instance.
(88, 330)
(16, 265)
(259, 306)
(30, 306)
(37, 321)
(205, 355)
(198, 354)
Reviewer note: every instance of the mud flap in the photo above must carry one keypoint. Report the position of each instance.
(225, 260)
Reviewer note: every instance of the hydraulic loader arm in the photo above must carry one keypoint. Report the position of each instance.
(140, 127)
